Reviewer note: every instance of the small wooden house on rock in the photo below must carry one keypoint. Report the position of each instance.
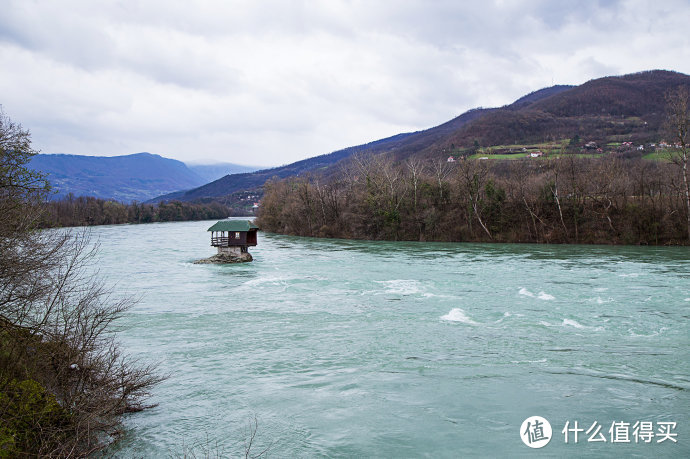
(232, 238)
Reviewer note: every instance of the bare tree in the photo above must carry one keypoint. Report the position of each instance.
(524, 177)
(60, 365)
(554, 192)
(600, 200)
(678, 123)
(442, 169)
(473, 176)
(417, 170)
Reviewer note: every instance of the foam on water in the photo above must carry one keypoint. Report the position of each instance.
(572, 323)
(528, 361)
(600, 300)
(545, 296)
(576, 324)
(642, 335)
(436, 295)
(271, 280)
(401, 286)
(630, 275)
(319, 361)
(524, 292)
(508, 314)
(542, 294)
(458, 315)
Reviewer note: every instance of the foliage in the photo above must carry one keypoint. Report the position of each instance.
(31, 417)
(63, 381)
(89, 211)
(569, 199)
(628, 107)
(678, 126)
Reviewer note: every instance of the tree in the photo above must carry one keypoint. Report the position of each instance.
(416, 170)
(21, 189)
(678, 123)
(64, 383)
(472, 176)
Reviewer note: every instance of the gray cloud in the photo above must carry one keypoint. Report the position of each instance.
(272, 82)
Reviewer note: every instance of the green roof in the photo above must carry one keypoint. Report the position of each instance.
(233, 225)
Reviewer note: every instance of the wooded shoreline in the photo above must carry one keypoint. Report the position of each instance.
(88, 211)
(609, 200)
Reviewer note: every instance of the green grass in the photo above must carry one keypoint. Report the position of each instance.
(486, 155)
(552, 150)
(554, 145)
(524, 156)
(506, 156)
(663, 155)
(582, 155)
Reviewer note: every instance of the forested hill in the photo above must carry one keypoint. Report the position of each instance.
(136, 177)
(406, 144)
(620, 108)
(611, 109)
(538, 95)
(247, 181)
(574, 165)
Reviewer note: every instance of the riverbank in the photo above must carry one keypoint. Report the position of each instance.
(88, 211)
(566, 200)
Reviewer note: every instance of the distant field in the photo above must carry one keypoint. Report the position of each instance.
(524, 156)
(581, 155)
(552, 150)
(664, 155)
(486, 155)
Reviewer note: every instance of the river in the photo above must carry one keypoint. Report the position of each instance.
(387, 349)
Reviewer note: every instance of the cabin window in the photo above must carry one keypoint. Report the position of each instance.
(237, 235)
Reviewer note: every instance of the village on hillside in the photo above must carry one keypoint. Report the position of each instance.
(584, 149)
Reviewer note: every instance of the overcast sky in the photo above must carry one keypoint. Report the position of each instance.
(271, 82)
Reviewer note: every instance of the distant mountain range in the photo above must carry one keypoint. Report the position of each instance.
(251, 180)
(618, 108)
(136, 177)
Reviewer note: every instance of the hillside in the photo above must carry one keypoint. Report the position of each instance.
(136, 177)
(401, 145)
(247, 181)
(620, 108)
(211, 172)
(538, 95)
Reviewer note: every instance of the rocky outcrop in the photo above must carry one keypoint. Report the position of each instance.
(224, 258)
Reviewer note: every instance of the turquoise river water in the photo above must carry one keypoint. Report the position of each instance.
(386, 349)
